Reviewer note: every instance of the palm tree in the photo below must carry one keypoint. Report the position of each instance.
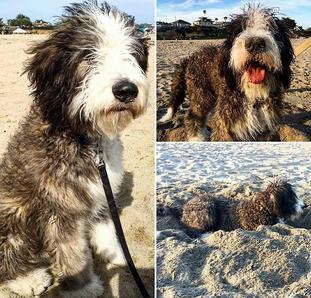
(225, 18)
(204, 12)
(216, 20)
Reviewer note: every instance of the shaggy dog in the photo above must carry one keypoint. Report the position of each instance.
(89, 82)
(239, 85)
(268, 207)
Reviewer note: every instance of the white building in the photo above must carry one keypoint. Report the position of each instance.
(19, 31)
(204, 22)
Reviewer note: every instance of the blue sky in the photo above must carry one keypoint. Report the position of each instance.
(190, 10)
(143, 10)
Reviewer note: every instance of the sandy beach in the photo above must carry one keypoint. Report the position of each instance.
(273, 261)
(297, 101)
(136, 198)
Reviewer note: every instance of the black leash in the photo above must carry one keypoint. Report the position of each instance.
(119, 230)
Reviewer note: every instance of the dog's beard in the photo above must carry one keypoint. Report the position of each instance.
(112, 121)
(256, 73)
(258, 91)
(257, 79)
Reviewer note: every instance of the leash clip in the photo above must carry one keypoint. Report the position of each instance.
(99, 157)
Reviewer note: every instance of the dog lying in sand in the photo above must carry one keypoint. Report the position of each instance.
(207, 213)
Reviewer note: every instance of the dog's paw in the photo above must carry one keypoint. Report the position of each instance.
(31, 285)
(107, 245)
(168, 116)
(115, 256)
(93, 289)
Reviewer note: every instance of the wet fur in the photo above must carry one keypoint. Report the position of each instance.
(209, 213)
(217, 91)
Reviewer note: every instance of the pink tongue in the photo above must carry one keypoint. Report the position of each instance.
(256, 75)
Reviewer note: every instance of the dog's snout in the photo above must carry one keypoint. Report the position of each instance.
(255, 44)
(125, 91)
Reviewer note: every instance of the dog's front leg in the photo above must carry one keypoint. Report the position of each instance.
(104, 239)
(220, 125)
(72, 261)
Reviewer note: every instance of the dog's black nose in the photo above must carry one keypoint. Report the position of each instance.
(125, 91)
(255, 44)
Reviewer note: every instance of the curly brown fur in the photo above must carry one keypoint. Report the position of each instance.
(52, 203)
(239, 85)
(278, 201)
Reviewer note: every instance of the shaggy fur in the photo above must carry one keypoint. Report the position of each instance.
(268, 207)
(89, 82)
(238, 86)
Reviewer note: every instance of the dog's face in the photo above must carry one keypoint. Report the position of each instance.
(258, 52)
(91, 72)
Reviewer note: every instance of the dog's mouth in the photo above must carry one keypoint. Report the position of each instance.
(256, 72)
(123, 111)
(118, 109)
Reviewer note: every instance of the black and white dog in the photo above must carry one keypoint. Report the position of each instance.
(238, 85)
(89, 82)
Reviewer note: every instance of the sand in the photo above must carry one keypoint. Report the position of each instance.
(136, 199)
(297, 107)
(273, 261)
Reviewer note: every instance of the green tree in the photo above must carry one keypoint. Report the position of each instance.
(1, 23)
(289, 23)
(21, 21)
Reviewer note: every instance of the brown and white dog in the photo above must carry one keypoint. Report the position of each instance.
(89, 82)
(275, 204)
(238, 86)
(208, 213)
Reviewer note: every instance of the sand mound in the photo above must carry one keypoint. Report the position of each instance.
(273, 261)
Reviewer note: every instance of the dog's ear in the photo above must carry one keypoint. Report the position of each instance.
(233, 29)
(282, 35)
(52, 74)
(224, 70)
(146, 45)
(142, 52)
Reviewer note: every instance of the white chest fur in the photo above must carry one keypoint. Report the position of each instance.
(110, 151)
(111, 154)
(257, 120)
